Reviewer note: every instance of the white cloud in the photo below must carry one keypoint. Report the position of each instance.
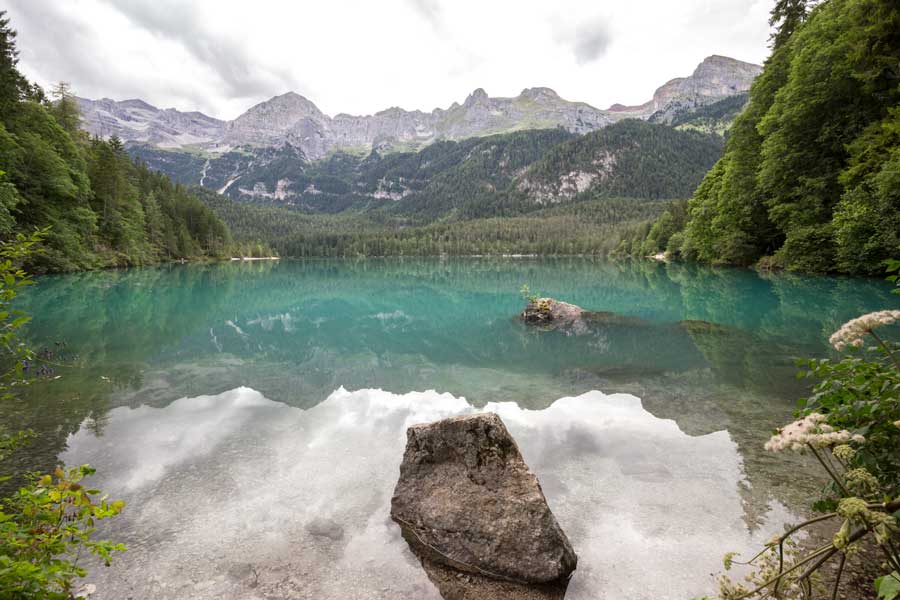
(221, 56)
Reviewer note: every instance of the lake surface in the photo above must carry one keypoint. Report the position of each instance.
(253, 416)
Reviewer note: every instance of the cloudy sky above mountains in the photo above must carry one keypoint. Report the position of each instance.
(222, 56)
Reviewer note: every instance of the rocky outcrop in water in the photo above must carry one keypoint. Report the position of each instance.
(550, 314)
(476, 516)
(547, 310)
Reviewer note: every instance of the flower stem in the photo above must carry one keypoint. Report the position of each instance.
(834, 477)
(778, 577)
(837, 578)
(886, 349)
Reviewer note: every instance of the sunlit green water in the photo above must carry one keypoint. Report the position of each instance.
(712, 349)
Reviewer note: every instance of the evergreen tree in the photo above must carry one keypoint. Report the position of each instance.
(64, 108)
(809, 170)
(786, 17)
(89, 194)
(12, 84)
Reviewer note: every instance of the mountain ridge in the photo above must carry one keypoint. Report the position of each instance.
(715, 78)
(292, 118)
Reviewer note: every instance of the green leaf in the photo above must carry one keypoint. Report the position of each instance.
(888, 586)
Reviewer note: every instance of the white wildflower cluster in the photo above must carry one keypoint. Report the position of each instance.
(813, 430)
(852, 332)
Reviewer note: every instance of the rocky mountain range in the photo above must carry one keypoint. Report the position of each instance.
(294, 120)
(714, 79)
(139, 122)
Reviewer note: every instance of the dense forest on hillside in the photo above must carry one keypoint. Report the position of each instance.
(468, 197)
(98, 206)
(631, 159)
(717, 117)
(436, 179)
(499, 175)
(589, 227)
(810, 178)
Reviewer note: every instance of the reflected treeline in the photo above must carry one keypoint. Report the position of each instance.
(297, 330)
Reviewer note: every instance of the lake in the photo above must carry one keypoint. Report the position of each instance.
(253, 416)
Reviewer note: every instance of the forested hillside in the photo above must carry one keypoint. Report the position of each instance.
(473, 196)
(717, 117)
(810, 178)
(99, 207)
(499, 175)
(590, 227)
(631, 158)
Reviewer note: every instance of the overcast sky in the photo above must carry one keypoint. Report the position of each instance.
(223, 56)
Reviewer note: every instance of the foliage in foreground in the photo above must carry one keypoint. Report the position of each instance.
(43, 528)
(46, 524)
(851, 425)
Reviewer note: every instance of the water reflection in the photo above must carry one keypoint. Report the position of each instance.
(236, 496)
(713, 348)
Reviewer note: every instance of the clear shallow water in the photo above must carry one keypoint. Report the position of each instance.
(206, 396)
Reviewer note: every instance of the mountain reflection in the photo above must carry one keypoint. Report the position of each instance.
(281, 501)
(711, 348)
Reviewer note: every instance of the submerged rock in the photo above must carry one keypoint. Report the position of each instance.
(326, 528)
(548, 313)
(466, 501)
(547, 310)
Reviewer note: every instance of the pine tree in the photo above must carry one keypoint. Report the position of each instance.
(12, 84)
(65, 108)
(786, 17)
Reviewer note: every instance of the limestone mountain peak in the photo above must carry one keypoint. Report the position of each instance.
(539, 93)
(292, 118)
(477, 96)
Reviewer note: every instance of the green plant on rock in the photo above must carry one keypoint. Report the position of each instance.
(535, 300)
(528, 296)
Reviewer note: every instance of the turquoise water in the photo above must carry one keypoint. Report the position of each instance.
(175, 366)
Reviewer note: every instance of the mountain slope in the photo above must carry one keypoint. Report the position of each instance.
(137, 121)
(483, 176)
(283, 175)
(717, 117)
(715, 78)
(632, 158)
(292, 119)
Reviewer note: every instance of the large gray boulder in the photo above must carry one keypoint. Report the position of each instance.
(467, 500)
